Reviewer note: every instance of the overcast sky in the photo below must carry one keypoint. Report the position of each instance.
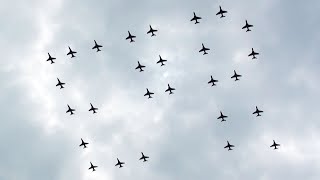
(179, 132)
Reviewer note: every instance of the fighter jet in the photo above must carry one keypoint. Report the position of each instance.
(83, 144)
(140, 67)
(257, 112)
(229, 146)
(93, 109)
(170, 89)
(130, 37)
(70, 110)
(148, 94)
(97, 46)
(92, 167)
(247, 26)
(195, 18)
(119, 163)
(161, 61)
(235, 75)
(144, 157)
(71, 52)
(212, 81)
(275, 145)
(152, 31)
(221, 12)
(51, 59)
(253, 54)
(222, 117)
(204, 49)
(60, 84)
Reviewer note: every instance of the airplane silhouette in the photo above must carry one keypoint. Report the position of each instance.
(222, 117)
(119, 163)
(60, 84)
(130, 37)
(257, 112)
(71, 52)
(275, 145)
(83, 144)
(170, 89)
(247, 26)
(229, 146)
(195, 18)
(204, 49)
(235, 75)
(97, 46)
(143, 157)
(92, 167)
(148, 93)
(253, 54)
(51, 59)
(140, 67)
(161, 61)
(70, 110)
(213, 81)
(152, 31)
(221, 12)
(93, 109)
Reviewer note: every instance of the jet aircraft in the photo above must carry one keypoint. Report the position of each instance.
(257, 112)
(97, 46)
(130, 37)
(161, 61)
(235, 75)
(222, 117)
(275, 145)
(119, 163)
(140, 67)
(93, 109)
(51, 59)
(170, 89)
(60, 84)
(247, 26)
(152, 31)
(221, 12)
(148, 93)
(213, 81)
(70, 110)
(92, 167)
(204, 49)
(195, 18)
(71, 52)
(143, 157)
(83, 144)
(253, 54)
(229, 146)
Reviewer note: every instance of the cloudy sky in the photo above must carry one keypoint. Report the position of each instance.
(179, 132)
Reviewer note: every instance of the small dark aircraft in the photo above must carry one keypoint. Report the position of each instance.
(152, 31)
(170, 89)
(119, 163)
(144, 157)
(204, 49)
(195, 18)
(93, 109)
(97, 46)
(253, 54)
(161, 61)
(92, 167)
(229, 146)
(275, 145)
(221, 12)
(257, 112)
(60, 84)
(148, 93)
(71, 52)
(235, 75)
(213, 81)
(130, 37)
(222, 117)
(70, 110)
(51, 59)
(140, 67)
(83, 144)
(247, 26)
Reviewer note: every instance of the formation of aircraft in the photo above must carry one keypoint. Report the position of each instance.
(253, 54)
(235, 76)
(222, 117)
(70, 110)
(71, 52)
(93, 109)
(51, 59)
(60, 84)
(229, 146)
(247, 26)
(204, 49)
(83, 144)
(97, 46)
(148, 94)
(275, 145)
(130, 37)
(152, 31)
(195, 18)
(221, 12)
(257, 112)
(213, 81)
(119, 163)
(140, 67)
(170, 89)
(161, 61)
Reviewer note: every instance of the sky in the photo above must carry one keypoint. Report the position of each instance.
(179, 132)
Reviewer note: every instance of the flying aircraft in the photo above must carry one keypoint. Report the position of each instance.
(93, 109)
(97, 46)
(130, 37)
(235, 75)
(221, 12)
(213, 81)
(119, 163)
(148, 93)
(222, 117)
(161, 61)
(60, 84)
(229, 146)
(247, 26)
(71, 52)
(152, 31)
(92, 167)
(70, 110)
(51, 59)
(140, 67)
(83, 144)
(170, 89)
(253, 54)
(204, 49)
(144, 157)
(195, 18)
(275, 145)
(257, 112)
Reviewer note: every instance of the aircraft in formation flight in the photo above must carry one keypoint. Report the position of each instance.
(170, 89)
(161, 61)
(119, 163)
(275, 145)
(51, 59)
(143, 157)
(93, 109)
(235, 75)
(221, 12)
(71, 52)
(140, 67)
(253, 54)
(195, 18)
(130, 37)
(222, 117)
(97, 46)
(83, 144)
(70, 110)
(152, 31)
(204, 49)
(257, 112)
(60, 84)
(213, 81)
(148, 94)
(247, 26)
(229, 146)
(92, 167)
